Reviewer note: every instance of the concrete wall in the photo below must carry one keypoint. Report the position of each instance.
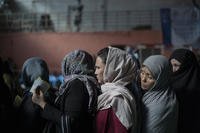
(53, 46)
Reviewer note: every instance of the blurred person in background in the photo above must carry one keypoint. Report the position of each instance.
(186, 84)
(7, 119)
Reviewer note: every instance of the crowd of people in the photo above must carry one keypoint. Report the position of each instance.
(113, 93)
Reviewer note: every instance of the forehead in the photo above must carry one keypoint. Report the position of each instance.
(146, 70)
(174, 61)
(99, 61)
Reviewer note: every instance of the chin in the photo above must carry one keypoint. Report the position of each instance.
(100, 82)
(144, 88)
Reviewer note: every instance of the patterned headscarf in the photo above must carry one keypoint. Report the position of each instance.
(78, 62)
(79, 65)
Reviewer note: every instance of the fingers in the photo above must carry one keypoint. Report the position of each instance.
(37, 96)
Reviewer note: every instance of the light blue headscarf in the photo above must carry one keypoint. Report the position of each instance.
(160, 104)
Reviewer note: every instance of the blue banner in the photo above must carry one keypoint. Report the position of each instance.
(185, 26)
(166, 26)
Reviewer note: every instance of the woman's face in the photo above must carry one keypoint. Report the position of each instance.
(99, 69)
(147, 79)
(175, 65)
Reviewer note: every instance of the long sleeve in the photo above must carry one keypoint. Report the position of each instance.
(73, 104)
(51, 113)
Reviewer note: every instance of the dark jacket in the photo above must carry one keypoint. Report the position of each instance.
(73, 104)
(29, 118)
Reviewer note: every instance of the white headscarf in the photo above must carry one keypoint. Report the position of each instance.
(119, 71)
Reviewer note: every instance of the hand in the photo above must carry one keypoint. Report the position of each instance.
(38, 98)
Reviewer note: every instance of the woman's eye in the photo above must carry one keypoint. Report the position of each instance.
(150, 78)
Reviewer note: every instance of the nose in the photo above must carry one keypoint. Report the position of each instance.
(143, 78)
(95, 72)
(175, 68)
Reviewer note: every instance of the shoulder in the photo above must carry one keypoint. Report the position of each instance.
(77, 85)
(76, 82)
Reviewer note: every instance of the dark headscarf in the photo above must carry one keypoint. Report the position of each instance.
(188, 76)
(5, 96)
(1, 67)
(32, 69)
(7, 116)
(29, 118)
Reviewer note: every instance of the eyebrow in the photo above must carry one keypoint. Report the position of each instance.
(145, 70)
(148, 73)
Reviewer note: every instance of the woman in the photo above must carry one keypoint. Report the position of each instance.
(185, 82)
(115, 69)
(159, 102)
(7, 118)
(75, 105)
(29, 114)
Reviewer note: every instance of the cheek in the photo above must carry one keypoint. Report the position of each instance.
(101, 73)
(151, 84)
(98, 71)
(100, 77)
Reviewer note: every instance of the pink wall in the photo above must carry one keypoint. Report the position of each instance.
(53, 46)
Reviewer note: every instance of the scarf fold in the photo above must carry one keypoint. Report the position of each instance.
(119, 72)
(122, 102)
(91, 85)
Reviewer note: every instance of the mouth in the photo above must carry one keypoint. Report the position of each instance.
(144, 87)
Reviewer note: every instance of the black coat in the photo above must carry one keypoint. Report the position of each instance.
(29, 118)
(72, 104)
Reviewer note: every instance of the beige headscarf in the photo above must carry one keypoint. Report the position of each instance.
(119, 71)
(120, 67)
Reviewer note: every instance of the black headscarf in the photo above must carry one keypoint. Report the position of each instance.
(187, 78)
